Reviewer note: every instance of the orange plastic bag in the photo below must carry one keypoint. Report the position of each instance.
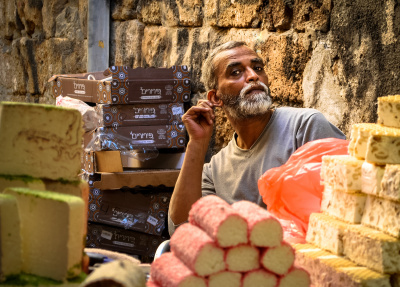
(293, 191)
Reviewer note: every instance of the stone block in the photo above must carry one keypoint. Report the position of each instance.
(68, 24)
(233, 13)
(285, 59)
(123, 10)
(149, 11)
(127, 43)
(50, 11)
(182, 13)
(278, 15)
(312, 14)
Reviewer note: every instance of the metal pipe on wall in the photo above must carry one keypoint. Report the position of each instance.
(98, 35)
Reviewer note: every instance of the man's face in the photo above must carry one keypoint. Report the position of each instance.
(242, 83)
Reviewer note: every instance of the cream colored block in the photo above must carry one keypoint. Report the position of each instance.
(52, 231)
(342, 172)
(348, 207)
(382, 214)
(371, 177)
(384, 146)
(20, 181)
(41, 141)
(10, 237)
(326, 197)
(326, 232)
(372, 248)
(390, 184)
(389, 111)
(327, 269)
(359, 139)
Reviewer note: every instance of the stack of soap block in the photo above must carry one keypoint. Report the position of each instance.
(355, 240)
(43, 204)
(228, 245)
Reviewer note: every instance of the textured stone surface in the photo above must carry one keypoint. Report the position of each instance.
(233, 13)
(312, 14)
(124, 9)
(338, 56)
(127, 38)
(149, 11)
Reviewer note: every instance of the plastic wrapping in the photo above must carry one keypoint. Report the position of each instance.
(90, 117)
(293, 191)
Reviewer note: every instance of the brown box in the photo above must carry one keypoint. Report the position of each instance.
(135, 137)
(124, 85)
(141, 209)
(140, 114)
(122, 240)
(115, 161)
(131, 179)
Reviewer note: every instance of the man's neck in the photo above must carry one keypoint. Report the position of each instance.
(249, 130)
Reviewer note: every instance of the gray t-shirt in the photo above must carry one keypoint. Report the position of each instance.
(233, 173)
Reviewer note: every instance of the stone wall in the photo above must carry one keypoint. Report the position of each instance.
(337, 56)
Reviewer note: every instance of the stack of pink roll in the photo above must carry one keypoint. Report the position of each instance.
(228, 245)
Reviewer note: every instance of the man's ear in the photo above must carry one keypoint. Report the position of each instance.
(214, 98)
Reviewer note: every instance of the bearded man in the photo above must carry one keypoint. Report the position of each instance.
(264, 138)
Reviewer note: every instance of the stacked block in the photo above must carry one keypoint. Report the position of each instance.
(138, 133)
(228, 245)
(355, 240)
(42, 199)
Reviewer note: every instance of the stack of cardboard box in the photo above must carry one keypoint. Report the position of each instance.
(132, 159)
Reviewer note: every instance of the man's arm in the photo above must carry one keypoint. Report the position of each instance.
(198, 121)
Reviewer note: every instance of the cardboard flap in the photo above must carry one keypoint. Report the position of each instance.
(133, 179)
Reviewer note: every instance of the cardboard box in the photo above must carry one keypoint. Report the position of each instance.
(122, 240)
(141, 209)
(131, 179)
(140, 114)
(136, 137)
(115, 161)
(124, 85)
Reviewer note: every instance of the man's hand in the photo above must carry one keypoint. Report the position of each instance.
(199, 120)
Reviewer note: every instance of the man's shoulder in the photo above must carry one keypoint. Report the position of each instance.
(291, 113)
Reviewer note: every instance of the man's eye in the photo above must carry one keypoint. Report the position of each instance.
(235, 72)
(258, 69)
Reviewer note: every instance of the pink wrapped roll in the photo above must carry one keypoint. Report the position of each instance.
(168, 271)
(151, 283)
(296, 277)
(263, 228)
(225, 279)
(221, 222)
(259, 277)
(197, 250)
(278, 259)
(242, 258)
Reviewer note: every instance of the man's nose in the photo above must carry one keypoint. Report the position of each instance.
(251, 75)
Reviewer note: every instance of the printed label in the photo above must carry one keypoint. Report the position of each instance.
(177, 111)
(123, 244)
(152, 220)
(106, 234)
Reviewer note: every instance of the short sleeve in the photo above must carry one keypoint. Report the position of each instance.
(315, 127)
(207, 183)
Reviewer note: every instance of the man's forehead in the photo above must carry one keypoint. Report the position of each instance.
(235, 56)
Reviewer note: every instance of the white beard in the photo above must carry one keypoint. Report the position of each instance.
(244, 107)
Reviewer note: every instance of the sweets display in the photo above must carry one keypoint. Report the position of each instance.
(43, 204)
(221, 222)
(57, 257)
(389, 110)
(244, 263)
(355, 241)
(41, 141)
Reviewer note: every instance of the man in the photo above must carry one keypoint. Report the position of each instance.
(264, 138)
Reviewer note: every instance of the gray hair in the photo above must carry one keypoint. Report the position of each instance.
(208, 76)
